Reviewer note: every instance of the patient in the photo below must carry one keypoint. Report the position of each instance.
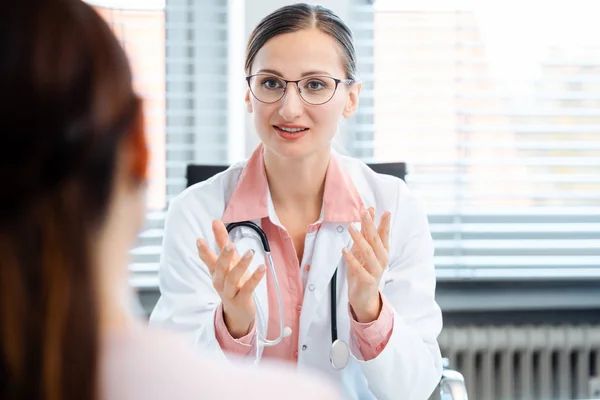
(73, 167)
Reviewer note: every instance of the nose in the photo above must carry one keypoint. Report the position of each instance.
(292, 105)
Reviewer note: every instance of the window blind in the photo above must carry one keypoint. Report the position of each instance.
(494, 107)
(178, 52)
(359, 129)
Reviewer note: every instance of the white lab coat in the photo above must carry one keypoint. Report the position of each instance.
(408, 368)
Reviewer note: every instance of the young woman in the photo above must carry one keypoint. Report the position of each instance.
(352, 251)
(73, 164)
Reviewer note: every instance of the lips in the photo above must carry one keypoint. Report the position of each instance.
(290, 129)
(290, 132)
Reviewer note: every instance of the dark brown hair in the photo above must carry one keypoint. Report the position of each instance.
(296, 17)
(67, 105)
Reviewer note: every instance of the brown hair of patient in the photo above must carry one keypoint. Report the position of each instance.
(71, 136)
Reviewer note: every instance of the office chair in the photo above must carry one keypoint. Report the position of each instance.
(452, 383)
(198, 172)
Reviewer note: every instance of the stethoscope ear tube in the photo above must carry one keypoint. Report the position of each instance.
(255, 228)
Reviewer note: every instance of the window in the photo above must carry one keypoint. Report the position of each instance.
(494, 106)
(141, 31)
(179, 54)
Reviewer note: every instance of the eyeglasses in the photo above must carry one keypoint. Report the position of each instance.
(314, 90)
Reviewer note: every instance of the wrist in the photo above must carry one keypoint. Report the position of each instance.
(368, 311)
(237, 326)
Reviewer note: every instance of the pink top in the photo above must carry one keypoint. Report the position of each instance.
(138, 363)
(342, 204)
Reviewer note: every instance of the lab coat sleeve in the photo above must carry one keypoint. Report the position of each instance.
(410, 365)
(188, 299)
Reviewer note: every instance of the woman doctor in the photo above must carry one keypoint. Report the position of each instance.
(324, 216)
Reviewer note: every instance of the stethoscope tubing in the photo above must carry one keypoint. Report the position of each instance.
(338, 359)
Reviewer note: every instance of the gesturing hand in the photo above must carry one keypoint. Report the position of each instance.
(231, 281)
(365, 264)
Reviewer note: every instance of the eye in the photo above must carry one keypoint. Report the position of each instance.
(271, 83)
(315, 85)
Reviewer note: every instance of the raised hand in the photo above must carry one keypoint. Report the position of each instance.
(365, 264)
(231, 280)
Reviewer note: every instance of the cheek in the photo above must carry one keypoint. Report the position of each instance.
(327, 117)
(263, 114)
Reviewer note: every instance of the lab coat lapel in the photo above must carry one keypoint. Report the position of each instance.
(327, 256)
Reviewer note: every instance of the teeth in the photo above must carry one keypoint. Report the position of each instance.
(291, 130)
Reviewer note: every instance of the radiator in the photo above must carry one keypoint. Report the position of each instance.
(525, 362)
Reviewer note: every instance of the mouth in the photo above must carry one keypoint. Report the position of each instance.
(289, 132)
(290, 129)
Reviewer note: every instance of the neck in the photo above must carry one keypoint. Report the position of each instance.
(114, 296)
(114, 306)
(297, 184)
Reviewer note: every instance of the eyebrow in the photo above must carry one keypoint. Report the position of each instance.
(308, 73)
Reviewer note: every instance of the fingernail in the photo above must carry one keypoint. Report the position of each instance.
(345, 251)
(262, 267)
(368, 217)
(199, 242)
(248, 253)
(228, 247)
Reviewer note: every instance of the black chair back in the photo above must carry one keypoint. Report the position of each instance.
(199, 172)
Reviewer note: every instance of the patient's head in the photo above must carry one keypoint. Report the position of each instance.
(72, 168)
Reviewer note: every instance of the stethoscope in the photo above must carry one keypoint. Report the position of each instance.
(339, 352)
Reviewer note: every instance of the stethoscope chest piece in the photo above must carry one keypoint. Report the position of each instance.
(339, 354)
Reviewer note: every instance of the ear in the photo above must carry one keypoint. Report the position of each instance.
(248, 101)
(138, 147)
(352, 102)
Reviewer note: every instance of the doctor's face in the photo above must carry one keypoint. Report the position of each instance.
(295, 125)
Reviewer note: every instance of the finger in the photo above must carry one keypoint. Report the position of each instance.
(355, 251)
(220, 232)
(222, 237)
(370, 231)
(371, 212)
(222, 267)
(232, 281)
(354, 268)
(370, 261)
(253, 281)
(384, 229)
(207, 256)
(372, 236)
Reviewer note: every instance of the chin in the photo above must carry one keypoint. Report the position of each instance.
(291, 150)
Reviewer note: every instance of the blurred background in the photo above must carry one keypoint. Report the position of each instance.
(495, 109)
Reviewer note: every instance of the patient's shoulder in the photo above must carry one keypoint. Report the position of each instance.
(144, 364)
